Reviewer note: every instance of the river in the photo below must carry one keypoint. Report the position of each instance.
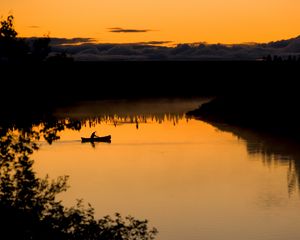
(191, 179)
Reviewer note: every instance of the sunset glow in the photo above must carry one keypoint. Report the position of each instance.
(175, 175)
(212, 21)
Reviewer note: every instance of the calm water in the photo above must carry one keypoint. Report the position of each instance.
(192, 180)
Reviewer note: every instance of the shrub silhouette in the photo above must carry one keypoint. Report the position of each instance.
(28, 205)
(7, 31)
(14, 49)
(11, 47)
(41, 48)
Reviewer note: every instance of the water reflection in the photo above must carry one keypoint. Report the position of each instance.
(273, 150)
(133, 119)
(165, 173)
(173, 173)
(157, 109)
(28, 204)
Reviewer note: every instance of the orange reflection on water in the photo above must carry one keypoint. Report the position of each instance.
(190, 180)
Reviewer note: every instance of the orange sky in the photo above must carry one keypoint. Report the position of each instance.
(225, 21)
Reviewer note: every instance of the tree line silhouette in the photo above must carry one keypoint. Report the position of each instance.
(15, 49)
(277, 58)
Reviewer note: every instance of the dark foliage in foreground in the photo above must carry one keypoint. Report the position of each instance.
(28, 205)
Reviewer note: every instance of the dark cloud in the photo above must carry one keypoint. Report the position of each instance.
(65, 41)
(71, 41)
(33, 26)
(154, 42)
(123, 30)
(153, 50)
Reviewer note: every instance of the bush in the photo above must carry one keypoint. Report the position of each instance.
(28, 205)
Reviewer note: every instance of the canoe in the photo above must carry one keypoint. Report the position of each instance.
(97, 139)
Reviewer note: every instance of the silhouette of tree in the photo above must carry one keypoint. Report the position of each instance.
(269, 58)
(7, 31)
(60, 58)
(41, 48)
(276, 58)
(11, 48)
(16, 49)
(28, 205)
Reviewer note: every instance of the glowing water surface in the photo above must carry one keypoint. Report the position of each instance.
(192, 180)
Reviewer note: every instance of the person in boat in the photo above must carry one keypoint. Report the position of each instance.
(93, 135)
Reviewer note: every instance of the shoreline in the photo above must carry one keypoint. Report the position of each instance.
(247, 93)
(271, 116)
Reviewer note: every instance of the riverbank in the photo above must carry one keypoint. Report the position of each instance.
(272, 113)
(241, 87)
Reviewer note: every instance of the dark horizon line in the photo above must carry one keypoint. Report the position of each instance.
(84, 40)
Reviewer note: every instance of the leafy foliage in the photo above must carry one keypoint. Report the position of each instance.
(28, 205)
(13, 49)
(7, 30)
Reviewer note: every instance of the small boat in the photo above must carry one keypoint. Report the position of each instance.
(106, 139)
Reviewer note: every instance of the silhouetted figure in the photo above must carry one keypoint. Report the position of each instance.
(93, 135)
